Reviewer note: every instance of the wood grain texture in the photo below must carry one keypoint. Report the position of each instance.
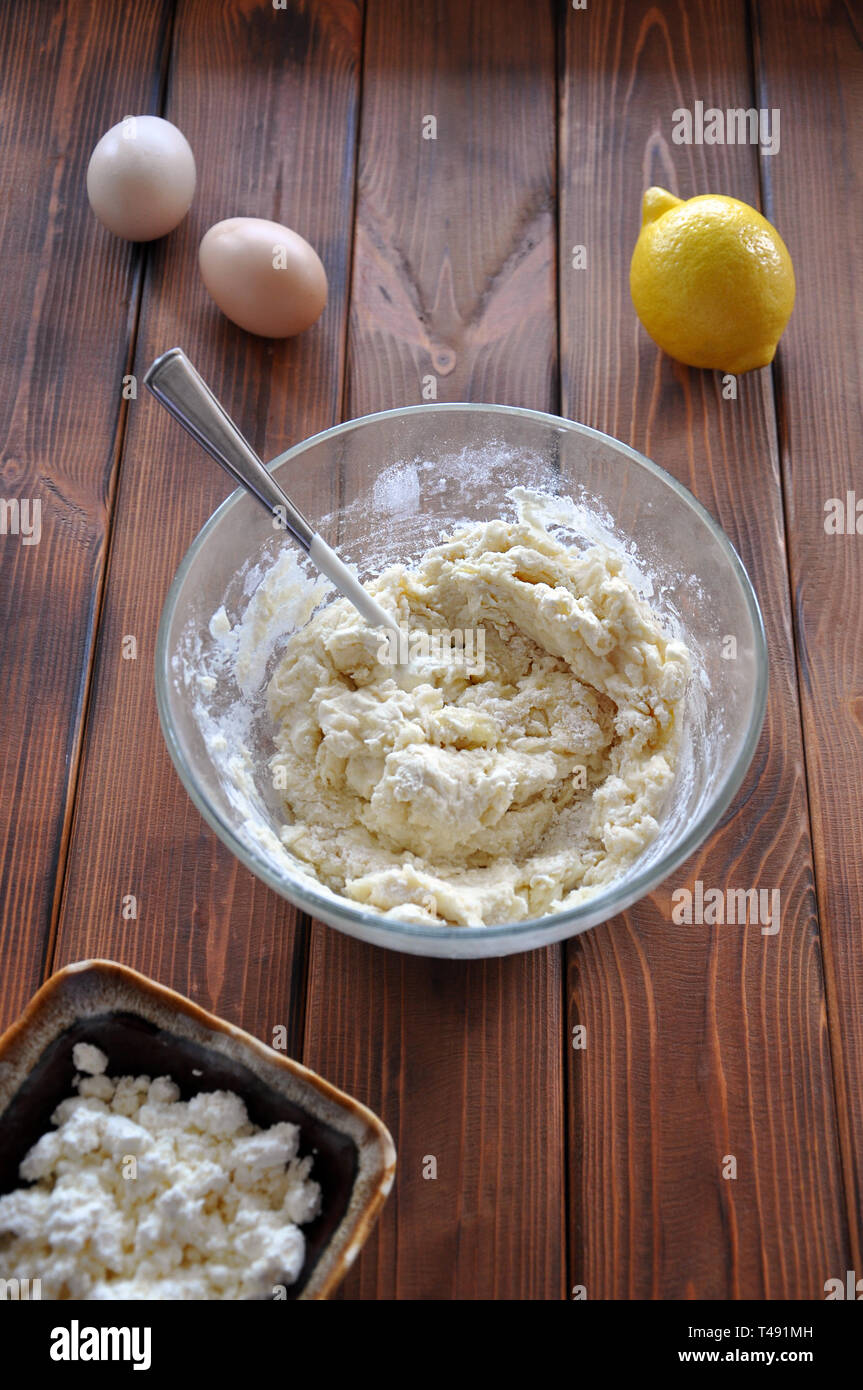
(268, 101)
(810, 66)
(453, 275)
(704, 1041)
(68, 298)
(447, 260)
(454, 251)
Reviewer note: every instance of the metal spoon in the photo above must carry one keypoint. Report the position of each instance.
(185, 395)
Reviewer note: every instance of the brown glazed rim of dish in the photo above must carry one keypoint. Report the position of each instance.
(107, 992)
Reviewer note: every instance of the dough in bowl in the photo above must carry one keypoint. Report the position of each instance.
(480, 792)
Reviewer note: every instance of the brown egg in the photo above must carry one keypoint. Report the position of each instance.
(264, 277)
(141, 178)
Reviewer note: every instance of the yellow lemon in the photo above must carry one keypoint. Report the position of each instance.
(711, 281)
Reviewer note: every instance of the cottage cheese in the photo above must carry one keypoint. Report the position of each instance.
(137, 1194)
(449, 795)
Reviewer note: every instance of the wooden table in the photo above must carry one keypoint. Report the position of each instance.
(601, 1166)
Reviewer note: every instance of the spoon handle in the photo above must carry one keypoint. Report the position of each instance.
(185, 395)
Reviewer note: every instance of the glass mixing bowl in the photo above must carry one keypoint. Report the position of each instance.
(383, 489)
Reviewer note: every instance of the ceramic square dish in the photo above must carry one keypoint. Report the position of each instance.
(146, 1028)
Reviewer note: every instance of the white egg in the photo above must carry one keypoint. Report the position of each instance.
(141, 178)
(264, 277)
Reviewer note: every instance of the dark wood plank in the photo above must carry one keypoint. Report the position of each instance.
(454, 276)
(268, 100)
(68, 298)
(810, 66)
(702, 1042)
